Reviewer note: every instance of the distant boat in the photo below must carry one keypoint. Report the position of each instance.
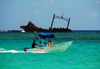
(18, 30)
(30, 27)
(61, 47)
(3, 30)
(22, 31)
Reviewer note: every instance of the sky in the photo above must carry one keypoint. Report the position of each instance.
(84, 14)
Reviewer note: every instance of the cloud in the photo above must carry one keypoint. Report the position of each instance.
(43, 3)
(48, 1)
(80, 7)
(43, 14)
(23, 14)
(97, 1)
(91, 14)
(37, 14)
(94, 14)
(20, 16)
(26, 12)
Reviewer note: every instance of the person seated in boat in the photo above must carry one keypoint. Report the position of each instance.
(40, 44)
(50, 43)
(45, 44)
(33, 44)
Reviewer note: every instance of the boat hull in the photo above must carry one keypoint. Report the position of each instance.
(52, 48)
(32, 29)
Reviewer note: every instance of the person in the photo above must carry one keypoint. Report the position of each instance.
(45, 44)
(33, 44)
(40, 44)
(50, 43)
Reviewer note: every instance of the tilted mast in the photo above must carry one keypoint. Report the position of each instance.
(54, 16)
(52, 21)
(68, 22)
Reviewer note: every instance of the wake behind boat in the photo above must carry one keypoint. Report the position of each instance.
(61, 47)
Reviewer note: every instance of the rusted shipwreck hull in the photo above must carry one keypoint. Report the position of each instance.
(30, 27)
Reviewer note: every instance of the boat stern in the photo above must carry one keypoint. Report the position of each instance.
(25, 49)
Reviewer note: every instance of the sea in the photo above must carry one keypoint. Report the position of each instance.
(84, 53)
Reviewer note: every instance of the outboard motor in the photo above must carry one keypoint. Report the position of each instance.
(25, 48)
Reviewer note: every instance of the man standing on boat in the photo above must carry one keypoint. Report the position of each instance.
(33, 44)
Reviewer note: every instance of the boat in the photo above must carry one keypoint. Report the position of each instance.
(61, 47)
(30, 27)
(3, 30)
(18, 30)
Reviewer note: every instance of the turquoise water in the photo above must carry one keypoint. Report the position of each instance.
(84, 53)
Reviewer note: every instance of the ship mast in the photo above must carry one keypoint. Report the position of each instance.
(54, 16)
(52, 21)
(68, 22)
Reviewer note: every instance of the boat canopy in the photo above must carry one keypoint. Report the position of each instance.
(42, 35)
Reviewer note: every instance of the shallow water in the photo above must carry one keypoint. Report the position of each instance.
(84, 53)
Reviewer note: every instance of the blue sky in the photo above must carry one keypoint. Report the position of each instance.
(85, 14)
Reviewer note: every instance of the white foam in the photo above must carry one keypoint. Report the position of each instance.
(12, 51)
(2, 50)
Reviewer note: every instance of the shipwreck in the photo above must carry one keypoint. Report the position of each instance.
(30, 27)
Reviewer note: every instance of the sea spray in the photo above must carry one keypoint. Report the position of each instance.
(2, 50)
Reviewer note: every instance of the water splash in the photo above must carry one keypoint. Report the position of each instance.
(2, 50)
